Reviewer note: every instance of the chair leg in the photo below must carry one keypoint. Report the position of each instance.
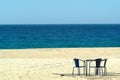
(99, 71)
(96, 71)
(78, 71)
(73, 71)
(105, 71)
(84, 68)
(88, 67)
(89, 71)
(84, 71)
(102, 71)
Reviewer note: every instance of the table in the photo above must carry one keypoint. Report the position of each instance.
(87, 65)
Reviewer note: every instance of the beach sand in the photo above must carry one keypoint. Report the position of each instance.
(51, 63)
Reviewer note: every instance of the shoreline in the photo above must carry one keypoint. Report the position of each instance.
(57, 48)
(61, 53)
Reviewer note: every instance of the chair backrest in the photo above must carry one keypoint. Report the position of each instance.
(98, 61)
(76, 61)
(105, 61)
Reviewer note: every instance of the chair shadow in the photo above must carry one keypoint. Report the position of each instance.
(68, 74)
(104, 77)
(90, 77)
(82, 75)
(63, 74)
(113, 74)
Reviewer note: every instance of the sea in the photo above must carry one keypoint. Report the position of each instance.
(59, 36)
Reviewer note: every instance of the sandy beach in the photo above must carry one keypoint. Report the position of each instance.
(51, 63)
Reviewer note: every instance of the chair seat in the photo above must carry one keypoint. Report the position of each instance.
(80, 66)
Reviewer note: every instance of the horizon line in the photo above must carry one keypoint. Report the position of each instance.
(68, 24)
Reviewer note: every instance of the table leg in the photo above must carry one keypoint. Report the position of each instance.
(86, 68)
(96, 71)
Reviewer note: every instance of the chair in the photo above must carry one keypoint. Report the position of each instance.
(104, 68)
(97, 66)
(76, 61)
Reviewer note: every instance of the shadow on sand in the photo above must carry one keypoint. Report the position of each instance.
(108, 76)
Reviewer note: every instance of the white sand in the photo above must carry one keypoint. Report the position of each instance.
(49, 64)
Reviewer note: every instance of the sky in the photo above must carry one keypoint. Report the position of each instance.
(59, 11)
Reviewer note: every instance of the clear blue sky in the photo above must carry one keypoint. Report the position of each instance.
(59, 11)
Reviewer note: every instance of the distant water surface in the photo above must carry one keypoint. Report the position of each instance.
(59, 36)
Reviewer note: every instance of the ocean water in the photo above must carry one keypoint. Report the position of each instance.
(59, 36)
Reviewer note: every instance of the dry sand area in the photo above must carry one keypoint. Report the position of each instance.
(50, 63)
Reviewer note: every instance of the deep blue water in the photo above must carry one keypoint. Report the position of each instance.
(59, 36)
